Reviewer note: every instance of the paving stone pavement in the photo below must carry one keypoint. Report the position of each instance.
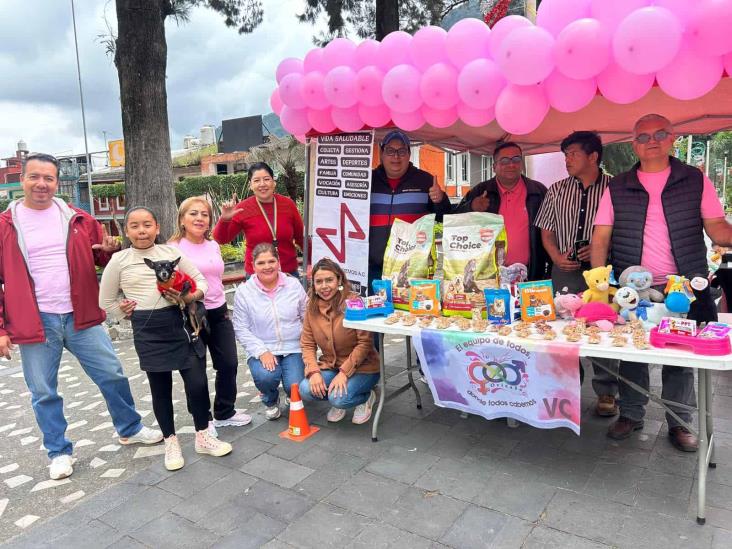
(433, 480)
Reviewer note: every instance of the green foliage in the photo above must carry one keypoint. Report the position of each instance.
(213, 185)
(193, 158)
(230, 252)
(4, 203)
(618, 158)
(112, 190)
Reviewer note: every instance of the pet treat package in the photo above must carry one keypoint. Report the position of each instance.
(498, 305)
(424, 297)
(382, 288)
(473, 246)
(410, 253)
(537, 301)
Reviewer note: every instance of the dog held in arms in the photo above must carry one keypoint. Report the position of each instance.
(170, 279)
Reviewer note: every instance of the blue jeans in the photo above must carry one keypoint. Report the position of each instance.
(290, 369)
(93, 349)
(358, 389)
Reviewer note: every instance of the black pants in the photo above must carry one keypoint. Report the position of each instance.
(221, 343)
(196, 387)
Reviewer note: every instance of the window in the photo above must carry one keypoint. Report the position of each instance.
(121, 202)
(450, 166)
(464, 173)
(222, 169)
(486, 167)
(103, 203)
(414, 156)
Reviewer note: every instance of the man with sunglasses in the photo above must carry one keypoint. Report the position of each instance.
(518, 199)
(655, 215)
(399, 190)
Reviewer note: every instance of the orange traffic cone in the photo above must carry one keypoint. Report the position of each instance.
(299, 428)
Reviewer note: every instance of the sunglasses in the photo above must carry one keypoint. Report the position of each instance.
(401, 153)
(658, 136)
(506, 160)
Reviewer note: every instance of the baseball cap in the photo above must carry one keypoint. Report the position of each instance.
(395, 134)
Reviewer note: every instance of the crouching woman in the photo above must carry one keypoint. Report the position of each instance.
(348, 369)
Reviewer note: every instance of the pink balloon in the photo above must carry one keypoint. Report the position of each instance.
(521, 109)
(475, 117)
(367, 53)
(395, 48)
(340, 87)
(467, 40)
(582, 49)
(439, 118)
(347, 120)
(428, 47)
(710, 27)
(340, 51)
(620, 86)
(295, 121)
(321, 120)
(555, 15)
(502, 29)
(682, 9)
(569, 95)
(611, 13)
(275, 102)
(408, 121)
(526, 56)
(313, 60)
(375, 116)
(291, 91)
(400, 89)
(302, 139)
(368, 86)
(479, 84)
(287, 66)
(312, 90)
(647, 40)
(690, 75)
(439, 86)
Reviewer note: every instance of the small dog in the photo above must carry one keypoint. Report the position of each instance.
(169, 278)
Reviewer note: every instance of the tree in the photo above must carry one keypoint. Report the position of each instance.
(286, 156)
(140, 55)
(618, 158)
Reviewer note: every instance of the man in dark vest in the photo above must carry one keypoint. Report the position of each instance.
(518, 199)
(655, 215)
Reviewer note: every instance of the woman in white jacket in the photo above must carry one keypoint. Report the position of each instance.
(268, 313)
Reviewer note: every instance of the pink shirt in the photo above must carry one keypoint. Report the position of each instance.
(43, 234)
(516, 220)
(658, 258)
(206, 256)
(281, 281)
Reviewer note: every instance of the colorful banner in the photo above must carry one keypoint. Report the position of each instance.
(341, 202)
(494, 377)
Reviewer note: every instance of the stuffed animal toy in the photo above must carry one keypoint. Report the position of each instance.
(679, 295)
(600, 314)
(513, 274)
(632, 307)
(723, 278)
(641, 280)
(567, 304)
(703, 309)
(598, 285)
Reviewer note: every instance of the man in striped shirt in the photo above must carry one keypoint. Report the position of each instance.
(566, 220)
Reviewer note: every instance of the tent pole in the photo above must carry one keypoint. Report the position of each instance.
(306, 215)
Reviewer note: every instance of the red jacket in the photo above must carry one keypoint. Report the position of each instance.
(19, 315)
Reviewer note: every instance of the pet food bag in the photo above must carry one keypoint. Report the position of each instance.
(424, 297)
(410, 253)
(470, 246)
(537, 301)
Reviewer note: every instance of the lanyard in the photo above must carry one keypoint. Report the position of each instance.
(272, 228)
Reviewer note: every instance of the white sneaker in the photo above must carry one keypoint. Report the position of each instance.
(273, 412)
(206, 444)
(335, 415)
(173, 454)
(60, 467)
(239, 419)
(144, 436)
(212, 429)
(362, 413)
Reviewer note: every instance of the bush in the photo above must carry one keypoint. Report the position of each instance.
(231, 253)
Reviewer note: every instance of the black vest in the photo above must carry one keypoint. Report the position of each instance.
(681, 199)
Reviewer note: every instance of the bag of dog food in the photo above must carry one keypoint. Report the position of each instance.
(470, 246)
(537, 301)
(410, 253)
(424, 297)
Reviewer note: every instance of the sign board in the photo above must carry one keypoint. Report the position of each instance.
(341, 202)
(116, 153)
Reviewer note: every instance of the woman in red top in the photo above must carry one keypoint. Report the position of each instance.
(264, 217)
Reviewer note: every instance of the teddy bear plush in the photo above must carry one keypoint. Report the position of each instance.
(632, 307)
(598, 285)
(641, 280)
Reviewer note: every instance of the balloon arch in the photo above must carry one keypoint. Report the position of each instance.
(517, 75)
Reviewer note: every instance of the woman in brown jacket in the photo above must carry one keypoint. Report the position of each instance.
(349, 366)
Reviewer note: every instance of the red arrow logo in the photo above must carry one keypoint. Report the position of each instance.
(357, 233)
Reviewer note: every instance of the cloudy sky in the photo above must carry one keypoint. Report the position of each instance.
(213, 72)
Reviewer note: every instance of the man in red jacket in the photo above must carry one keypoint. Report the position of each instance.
(49, 300)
